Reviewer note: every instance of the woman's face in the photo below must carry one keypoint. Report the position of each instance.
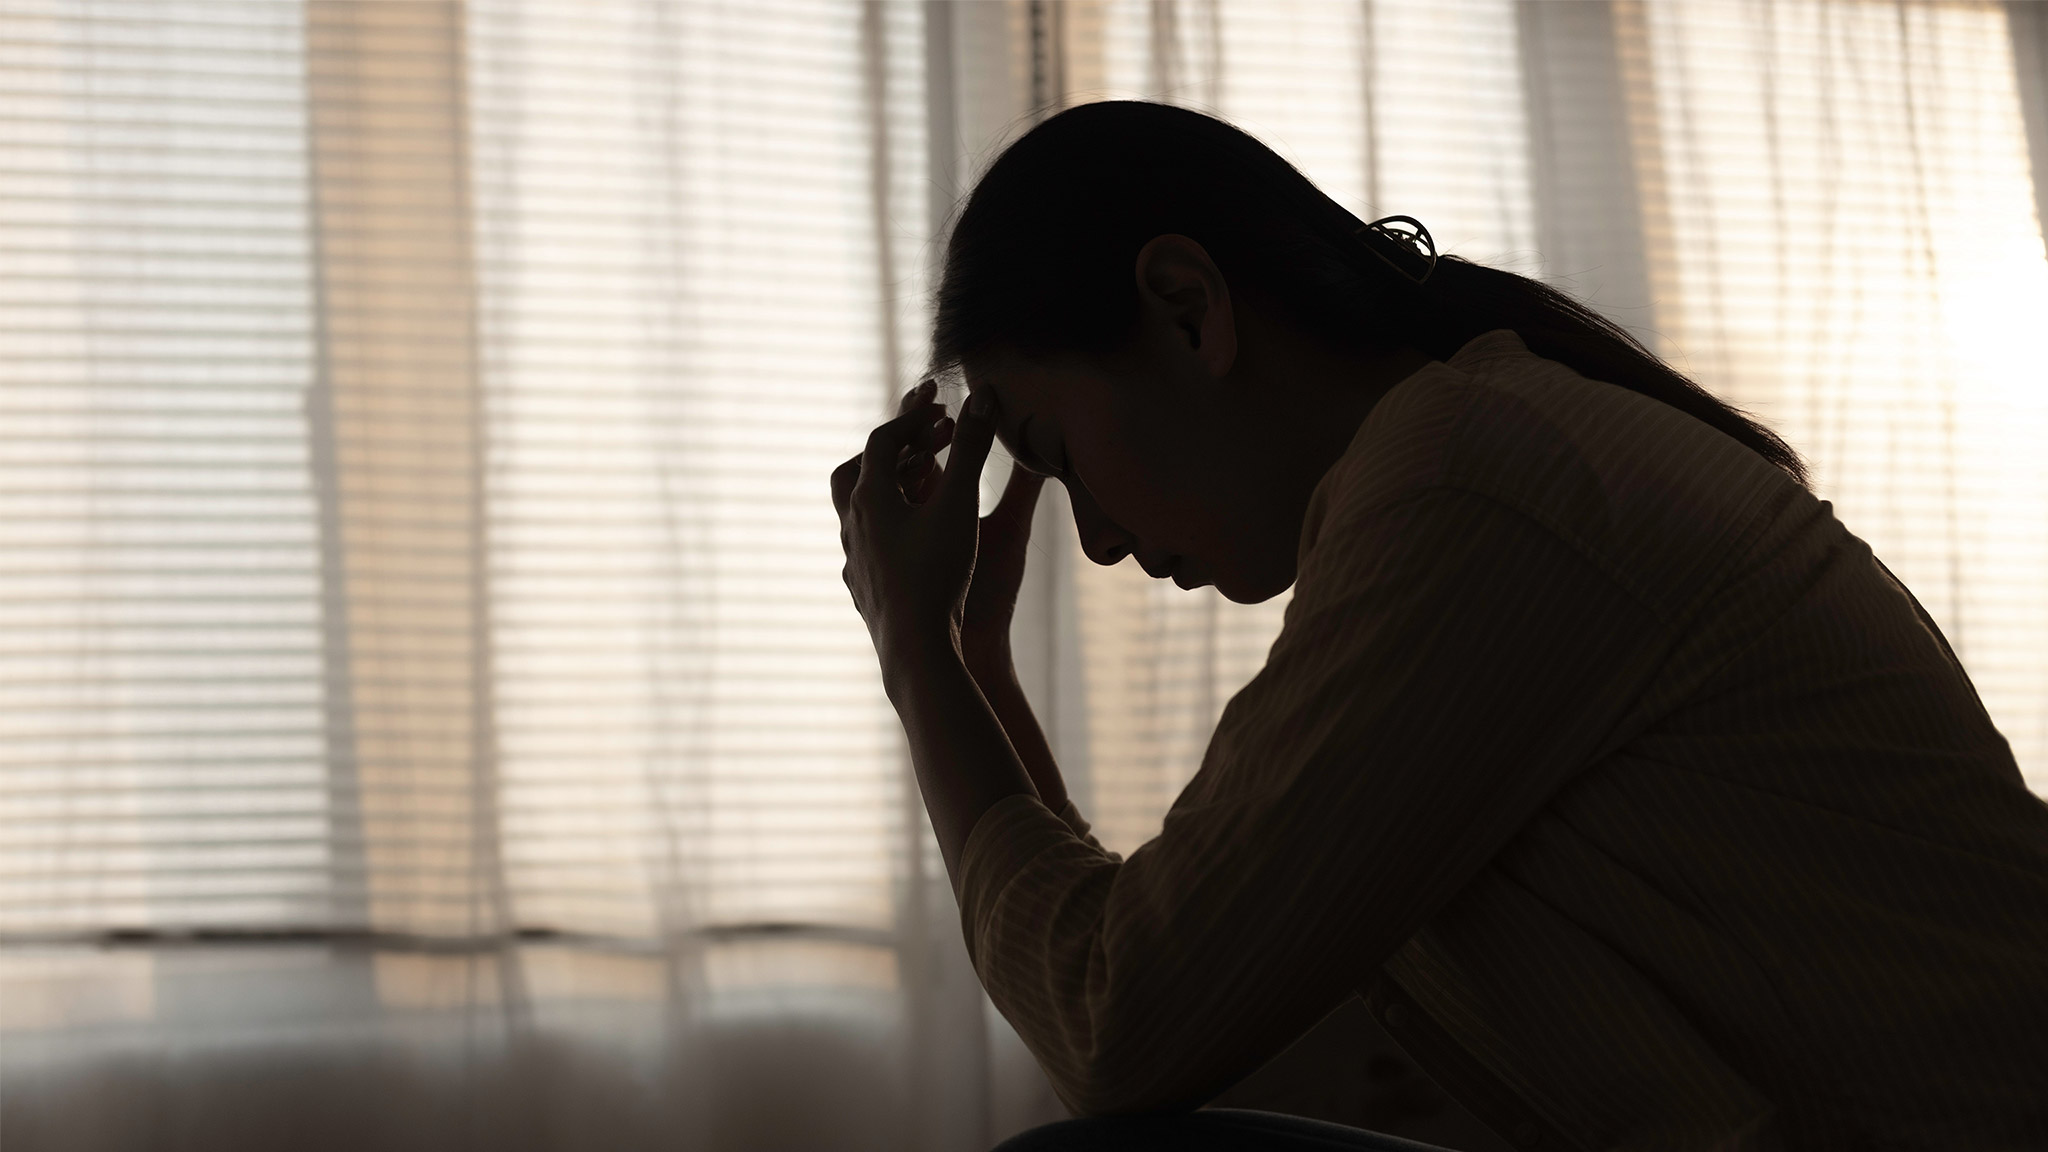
(1175, 470)
(1197, 445)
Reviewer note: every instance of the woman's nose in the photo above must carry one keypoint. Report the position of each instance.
(1101, 540)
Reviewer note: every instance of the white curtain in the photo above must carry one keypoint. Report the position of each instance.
(429, 712)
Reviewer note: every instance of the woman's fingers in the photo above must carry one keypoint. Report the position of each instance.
(908, 566)
(977, 430)
(928, 439)
(917, 463)
(918, 397)
(886, 446)
(910, 443)
(1006, 531)
(843, 480)
(915, 473)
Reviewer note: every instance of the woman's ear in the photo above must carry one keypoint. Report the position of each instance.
(1180, 288)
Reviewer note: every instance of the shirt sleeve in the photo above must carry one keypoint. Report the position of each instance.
(1073, 819)
(1446, 664)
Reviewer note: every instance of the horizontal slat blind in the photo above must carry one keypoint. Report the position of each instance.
(162, 744)
(680, 256)
(683, 332)
(606, 296)
(1859, 262)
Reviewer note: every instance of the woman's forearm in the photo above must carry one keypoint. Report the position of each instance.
(964, 759)
(996, 675)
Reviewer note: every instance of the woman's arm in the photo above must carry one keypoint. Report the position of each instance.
(997, 680)
(914, 545)
(1447, 663)
(999, 554)
(985, 629)
(964, 759)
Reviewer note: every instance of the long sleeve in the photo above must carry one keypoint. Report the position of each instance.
(1447, 663)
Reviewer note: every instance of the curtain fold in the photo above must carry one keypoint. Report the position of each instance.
(1858, 261)
(428, 702)
(2029, 24)
(397, 404)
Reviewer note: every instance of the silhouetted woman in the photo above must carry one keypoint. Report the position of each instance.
(1638, 799)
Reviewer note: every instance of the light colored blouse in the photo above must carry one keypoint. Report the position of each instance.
(1644, 806)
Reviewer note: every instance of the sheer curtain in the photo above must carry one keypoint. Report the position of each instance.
(429, 712)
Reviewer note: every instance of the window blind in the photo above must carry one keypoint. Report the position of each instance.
(1857, 260)
(162, 741)
(415, 417)
(417, 424)
(685, 327)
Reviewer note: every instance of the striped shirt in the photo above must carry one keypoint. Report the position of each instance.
(1643, 805)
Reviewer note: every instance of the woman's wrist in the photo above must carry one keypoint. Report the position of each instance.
(988, 659)
(910, 656)
(995, 673)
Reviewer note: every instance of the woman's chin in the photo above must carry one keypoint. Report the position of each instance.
(1238, 587)
(1188, 575)
(1239, 590)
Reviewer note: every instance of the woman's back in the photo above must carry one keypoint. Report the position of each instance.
(1803, 871)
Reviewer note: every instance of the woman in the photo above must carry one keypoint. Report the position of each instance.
(1641, 803)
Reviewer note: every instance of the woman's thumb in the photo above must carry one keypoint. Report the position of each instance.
(972, 436)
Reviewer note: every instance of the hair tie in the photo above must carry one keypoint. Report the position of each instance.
(1408, 250)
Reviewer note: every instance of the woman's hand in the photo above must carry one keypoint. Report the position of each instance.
(998, 574)
(909, 528)
(999, 555)
(881, 547)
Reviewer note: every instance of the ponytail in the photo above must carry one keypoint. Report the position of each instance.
(1471, 298)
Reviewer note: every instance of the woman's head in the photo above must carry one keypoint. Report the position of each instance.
(1148, 291)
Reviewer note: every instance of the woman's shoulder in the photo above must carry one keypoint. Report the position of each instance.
(1633, 482)
(1495, 416)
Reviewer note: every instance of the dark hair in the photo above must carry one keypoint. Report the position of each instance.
(1040, 259)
